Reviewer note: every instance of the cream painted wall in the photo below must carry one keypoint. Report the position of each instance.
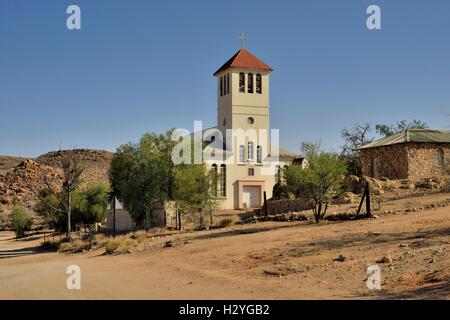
(236, 107)
(235, 172)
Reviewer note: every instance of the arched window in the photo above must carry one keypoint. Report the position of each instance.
(241, 82)
(250, 83)
(277, 173)
(258, 84)
(228, 83)
(214, 183)
(223, 180)
(259, 154)
(224, 85)
(241, 154)
(250, 151)
(440, 158)
(221, 86)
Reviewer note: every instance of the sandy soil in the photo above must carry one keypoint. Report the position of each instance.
(270, 260)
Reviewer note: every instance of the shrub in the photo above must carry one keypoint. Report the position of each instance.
(73, 246)
(120, 245)
(112, 245)
(127, 245)
(5, 220)
(99, 240)
(319, 181)
(139, 236)
(21, 221)
(225, 222)
(50, 245)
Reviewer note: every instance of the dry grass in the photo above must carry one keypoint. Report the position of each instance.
(139, 236)
(99, 240)
(74, 246)
(120, 245)
(225, 222)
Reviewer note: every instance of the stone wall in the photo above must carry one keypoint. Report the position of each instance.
(413, 161)
(285, 206)
(124, 222)
(387, 161)
(422, 160)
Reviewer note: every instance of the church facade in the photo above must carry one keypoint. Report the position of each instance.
(251, 162)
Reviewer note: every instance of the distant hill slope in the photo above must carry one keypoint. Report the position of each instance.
(8, 163)
(21, 180)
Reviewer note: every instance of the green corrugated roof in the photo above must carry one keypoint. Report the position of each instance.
(411, 135)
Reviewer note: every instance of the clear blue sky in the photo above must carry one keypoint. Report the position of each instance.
(140, 66)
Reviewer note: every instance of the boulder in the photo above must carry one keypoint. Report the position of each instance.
(426, 184)
(346, 198)
(385, 259)
(354, 184)
(5, 200)
(390, 185)
(407, 185)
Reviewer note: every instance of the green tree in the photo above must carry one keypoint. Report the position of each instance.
(319, 181)
(47, 207)
(89, 206)
(141, 174)
(62, 192)
(193, 192)
(389, 130)
(20, 221)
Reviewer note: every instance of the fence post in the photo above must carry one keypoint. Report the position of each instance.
(368, 211)
(362, 200)
(265, 206)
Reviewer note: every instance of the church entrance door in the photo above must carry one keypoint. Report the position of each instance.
(251, 197)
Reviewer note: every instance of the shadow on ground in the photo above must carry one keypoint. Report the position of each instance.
(420, 241)
(232, 233)
(20, 252)
(434, 291)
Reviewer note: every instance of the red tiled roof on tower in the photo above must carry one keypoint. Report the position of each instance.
(244, 60)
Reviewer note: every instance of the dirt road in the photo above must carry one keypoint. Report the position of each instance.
(260, 261)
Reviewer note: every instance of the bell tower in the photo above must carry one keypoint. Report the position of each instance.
(243, 93)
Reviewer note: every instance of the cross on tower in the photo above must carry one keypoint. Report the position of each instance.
(242, 38)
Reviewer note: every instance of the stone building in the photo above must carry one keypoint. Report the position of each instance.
(414, 154)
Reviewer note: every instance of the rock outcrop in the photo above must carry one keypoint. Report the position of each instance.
(21, 183)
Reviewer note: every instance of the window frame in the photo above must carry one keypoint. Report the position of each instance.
(215, 175)
(258, 83)
(250, 83)
(250, 151)
(278, 173)
(242, 82)
(258, 154)
(241, 153)
(223, 180)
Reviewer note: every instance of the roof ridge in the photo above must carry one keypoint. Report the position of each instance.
(411, 135)
(246, 60)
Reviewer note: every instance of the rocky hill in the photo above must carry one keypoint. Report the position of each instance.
(22, 181)
(8, 163)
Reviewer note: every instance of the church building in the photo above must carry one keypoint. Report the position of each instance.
(251, 164)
